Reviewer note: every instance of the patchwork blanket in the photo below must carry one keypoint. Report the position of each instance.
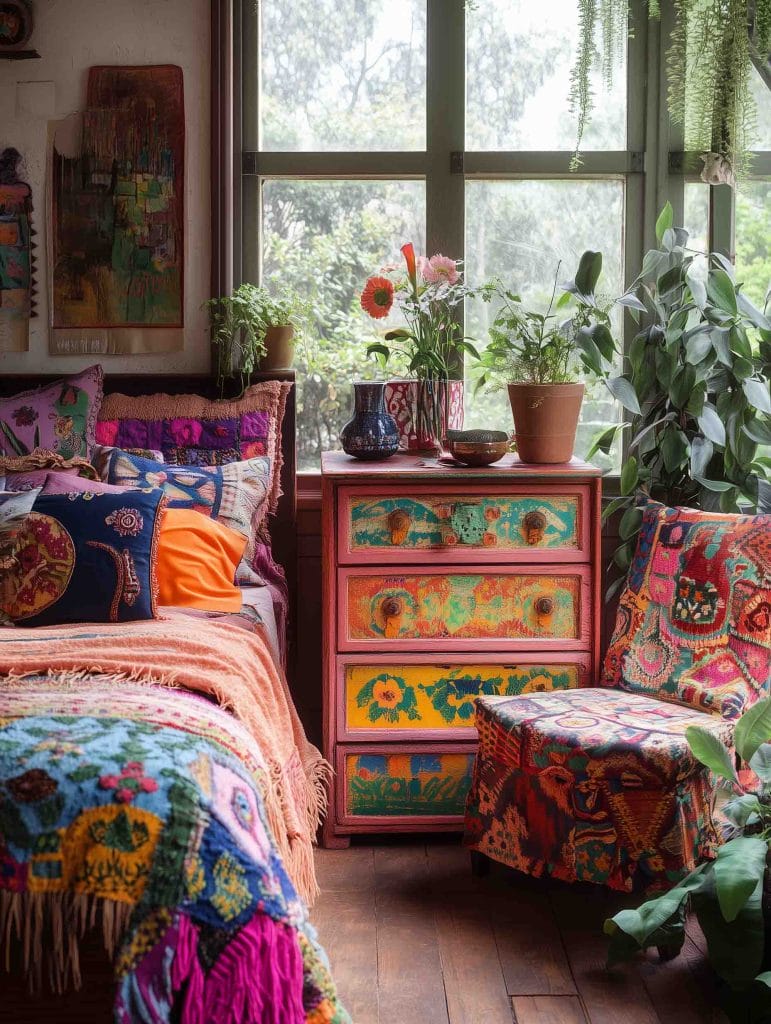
(177, 823)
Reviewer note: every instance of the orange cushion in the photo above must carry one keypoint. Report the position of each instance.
(197, 559)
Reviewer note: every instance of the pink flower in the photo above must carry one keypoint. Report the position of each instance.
(108, 781)
(133, 768)
(148, 785)
(440, 270)
(124, 796)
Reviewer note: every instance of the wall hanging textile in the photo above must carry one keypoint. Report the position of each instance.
(17, 264)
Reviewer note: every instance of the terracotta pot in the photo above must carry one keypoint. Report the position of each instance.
(279, 341)
(545, 420)
(405, 400)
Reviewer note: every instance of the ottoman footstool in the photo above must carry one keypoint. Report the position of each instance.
(592, 785)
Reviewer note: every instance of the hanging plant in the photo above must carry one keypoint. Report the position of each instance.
(713, 47)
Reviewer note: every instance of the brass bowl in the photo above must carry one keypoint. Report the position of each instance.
(477, 447)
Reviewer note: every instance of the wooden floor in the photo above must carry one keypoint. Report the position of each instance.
(415, 939)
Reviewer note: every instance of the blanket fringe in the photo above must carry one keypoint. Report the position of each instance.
(48, 928)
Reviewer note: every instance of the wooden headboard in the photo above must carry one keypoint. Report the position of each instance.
(283, 526)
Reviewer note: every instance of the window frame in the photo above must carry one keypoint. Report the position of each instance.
(653, 166)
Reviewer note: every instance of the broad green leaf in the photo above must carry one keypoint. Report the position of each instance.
(760, 762)
(719, 336)
(735, 947)
(698, 347)
(629, 475)
(759, 431)
(764, 978)
(757, 393)
(613, 507)
(642, 924)
(603, 339)
(630, 522)
(623, 391)
(631, 301)
(701, 453)
(754, 315)
(739, 868)
(740, 808)
(377, 349)
(712, 752)
(753, 728)
(588, 273)
(664, 220)
(720, 289)
(603, 441)
(674, 448)
(711, 425)
(717, 486)
(697, 287)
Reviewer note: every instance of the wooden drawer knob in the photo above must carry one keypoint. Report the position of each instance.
(544, 606)
(534, 524)
(392, 607)
(398, 524)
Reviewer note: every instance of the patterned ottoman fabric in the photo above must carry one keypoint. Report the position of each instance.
(591, 785)
(694, 620)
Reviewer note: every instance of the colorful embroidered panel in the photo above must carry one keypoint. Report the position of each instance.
(85, 558)
(153, 797)
(503, 522)
(463, 605)
(407, 785)
(591, 785)
(383, 697)
(694, 620)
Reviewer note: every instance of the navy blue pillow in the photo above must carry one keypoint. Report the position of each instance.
(86, 558)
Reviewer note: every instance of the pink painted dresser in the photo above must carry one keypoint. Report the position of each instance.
(441, 584)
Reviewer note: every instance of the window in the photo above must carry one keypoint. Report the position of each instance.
(446, 123)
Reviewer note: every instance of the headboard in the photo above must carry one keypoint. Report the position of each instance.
(283, 524)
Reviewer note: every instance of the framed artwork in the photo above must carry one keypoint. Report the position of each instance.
(16, 260)
(117, 216)
(15, 26)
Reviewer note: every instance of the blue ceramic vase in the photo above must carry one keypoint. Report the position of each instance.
(371, 433)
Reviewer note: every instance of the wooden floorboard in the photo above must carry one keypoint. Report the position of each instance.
(414, 937)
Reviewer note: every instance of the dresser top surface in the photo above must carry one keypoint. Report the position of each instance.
(338, 464)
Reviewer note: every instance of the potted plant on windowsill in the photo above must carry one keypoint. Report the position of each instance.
(730, 894)
(431, 345)
(251, 328)
(541, 358)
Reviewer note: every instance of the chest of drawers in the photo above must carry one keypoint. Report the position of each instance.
(441, 584)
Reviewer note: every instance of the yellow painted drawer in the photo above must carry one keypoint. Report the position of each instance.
(471, 524)
(478, 608)
(417, 696)
(392, 785)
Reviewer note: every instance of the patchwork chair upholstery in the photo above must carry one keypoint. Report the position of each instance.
(599, 784)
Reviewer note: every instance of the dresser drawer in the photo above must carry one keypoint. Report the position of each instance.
(419, 695)
(467, 524)
(519, 608)
(391, 785)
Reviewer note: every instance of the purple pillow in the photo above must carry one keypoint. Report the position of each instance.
(33, 478)
(60, 416)
(61, 483)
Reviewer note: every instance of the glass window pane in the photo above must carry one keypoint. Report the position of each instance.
(519, 231)
(696, 214)
(519, 55)
(342, 75)
(753, 231)
(324, 239)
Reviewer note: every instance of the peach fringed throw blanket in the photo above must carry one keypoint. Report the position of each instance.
(221, 661)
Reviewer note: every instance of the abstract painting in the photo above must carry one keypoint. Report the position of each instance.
(16, 261)
(117, 215)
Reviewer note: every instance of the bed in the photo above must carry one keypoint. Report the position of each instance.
(158, 798)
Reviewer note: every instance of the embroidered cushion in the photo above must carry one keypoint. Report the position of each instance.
(193, 431)
(60, 416)
(235, 494)
(86, 558)
(14, 507)
(694, 620)
(34, 479)
(62, 483)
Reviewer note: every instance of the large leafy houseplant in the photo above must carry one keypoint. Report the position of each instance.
(695, 386)
(713, 47)
(727, 893)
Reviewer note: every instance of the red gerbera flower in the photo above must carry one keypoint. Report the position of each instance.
(377, 297)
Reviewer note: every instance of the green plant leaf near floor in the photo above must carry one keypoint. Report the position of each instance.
(726, 893)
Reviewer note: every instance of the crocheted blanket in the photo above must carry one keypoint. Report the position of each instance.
(180, 819)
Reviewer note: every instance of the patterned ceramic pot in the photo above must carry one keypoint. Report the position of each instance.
(424, 410)
(371, 433)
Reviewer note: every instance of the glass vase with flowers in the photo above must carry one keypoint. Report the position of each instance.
(431, 344)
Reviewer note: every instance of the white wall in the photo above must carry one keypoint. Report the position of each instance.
(71, 36)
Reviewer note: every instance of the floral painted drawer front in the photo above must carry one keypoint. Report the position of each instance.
(501, 522)
(427, 696)
(462, 606)
(405, 785)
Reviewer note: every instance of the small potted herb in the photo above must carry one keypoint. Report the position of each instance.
(252, 328)
(541, 358)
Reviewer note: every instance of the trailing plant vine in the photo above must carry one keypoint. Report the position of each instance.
(713, 46)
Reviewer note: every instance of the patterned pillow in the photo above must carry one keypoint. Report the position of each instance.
(235, 494)
(60, 416)
(86, 558)
(14, 507)
(193, 431)
(694, 620)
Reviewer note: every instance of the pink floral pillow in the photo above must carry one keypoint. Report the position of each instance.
(60, 416)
